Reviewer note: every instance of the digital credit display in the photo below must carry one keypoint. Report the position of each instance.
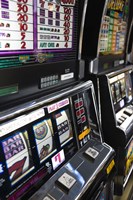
(34, 31)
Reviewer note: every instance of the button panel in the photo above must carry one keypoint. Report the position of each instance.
(48, 81)
(124, 115)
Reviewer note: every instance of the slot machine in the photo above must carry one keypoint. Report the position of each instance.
(129, 48)
(52, 148)
(104, 51)
(38, 48)
(49, 130)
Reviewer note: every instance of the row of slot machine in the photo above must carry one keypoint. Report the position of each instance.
(111, 71)
(66, 92)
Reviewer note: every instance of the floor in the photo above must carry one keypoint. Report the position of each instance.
(128, 193)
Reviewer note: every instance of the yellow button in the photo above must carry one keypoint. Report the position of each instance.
(84, 133)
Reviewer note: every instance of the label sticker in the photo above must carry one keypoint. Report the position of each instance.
(58, 105)
(67, 76)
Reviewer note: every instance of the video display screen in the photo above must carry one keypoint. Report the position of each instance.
(35, 31)
(121, 89)
(113, 28)
(18, 155)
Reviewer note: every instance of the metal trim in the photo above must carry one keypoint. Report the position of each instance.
(128, 176)
(97, 114)
(112, 104)
(41, 101)
(82, 29)
(129, 35)
(114, 73)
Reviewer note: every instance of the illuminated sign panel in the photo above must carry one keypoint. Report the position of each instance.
(34, 31)
(114, 27)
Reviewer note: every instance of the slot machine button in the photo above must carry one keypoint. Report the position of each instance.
(83, 118)
(50, 83)
(41, 86)
(50, 78)
(66, 182)
(128, 112)
(56, 77)
(119, 122)
(42, 80)
(121, 119)
(92, 153)
(125, 116)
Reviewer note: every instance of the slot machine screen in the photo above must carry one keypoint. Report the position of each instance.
(39, 31)
(121, 90)
(113, 28)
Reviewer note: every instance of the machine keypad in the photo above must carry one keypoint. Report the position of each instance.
(49, 81)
